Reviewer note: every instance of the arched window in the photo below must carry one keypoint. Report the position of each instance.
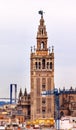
(50, 65)
(42, 45)
(43, 63)
(47, 65)
(36, 65)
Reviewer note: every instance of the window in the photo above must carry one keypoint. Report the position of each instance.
(43, 110)
(36, 65)
(47, 65)
(50, 65)
(43, 86)
(43, 63)
(43, 101)
(42, 45)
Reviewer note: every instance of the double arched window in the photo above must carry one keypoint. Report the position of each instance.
(43, 65)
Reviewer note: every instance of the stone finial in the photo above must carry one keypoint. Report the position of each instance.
(25, 92)
(31, 49)
(34, 48)
(52, 48)
(20, 93)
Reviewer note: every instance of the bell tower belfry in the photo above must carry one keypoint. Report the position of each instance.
(42, 75)
(42, 37)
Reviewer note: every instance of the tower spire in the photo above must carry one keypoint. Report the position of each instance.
(42, 35)
(41, 28)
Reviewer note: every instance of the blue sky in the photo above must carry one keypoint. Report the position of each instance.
(19, 20)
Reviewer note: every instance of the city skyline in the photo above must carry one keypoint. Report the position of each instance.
(18, 29)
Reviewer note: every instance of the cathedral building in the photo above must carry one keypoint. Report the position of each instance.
(42, 74)
(68, 103)
(23, 104)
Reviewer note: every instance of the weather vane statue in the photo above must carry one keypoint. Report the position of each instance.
(41, 13)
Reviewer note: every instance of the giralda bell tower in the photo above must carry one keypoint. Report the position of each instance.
(42, 75)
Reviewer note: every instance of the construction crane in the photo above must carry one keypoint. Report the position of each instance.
(56, 92)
